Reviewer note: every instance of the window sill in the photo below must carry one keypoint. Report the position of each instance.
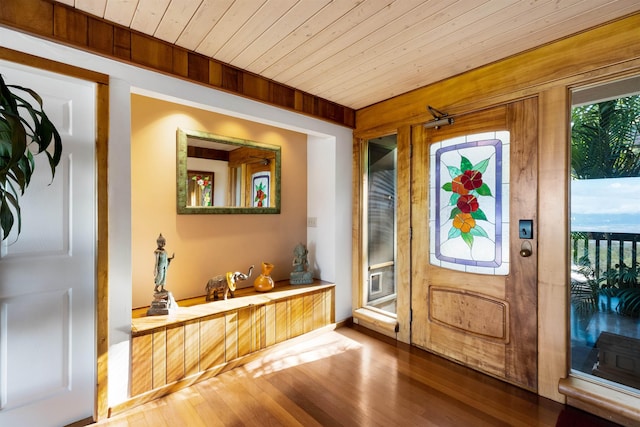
(379, 322)
(599, 399)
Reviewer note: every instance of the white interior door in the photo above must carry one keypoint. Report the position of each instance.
(47, 276)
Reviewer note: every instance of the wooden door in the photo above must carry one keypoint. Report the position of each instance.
(484, 321)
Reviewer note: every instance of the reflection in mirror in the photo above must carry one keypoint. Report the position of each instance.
(223, 175)
(199, 188)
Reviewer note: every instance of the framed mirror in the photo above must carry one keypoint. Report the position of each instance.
(224, 175)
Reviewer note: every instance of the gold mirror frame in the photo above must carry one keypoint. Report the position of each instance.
(182, 138)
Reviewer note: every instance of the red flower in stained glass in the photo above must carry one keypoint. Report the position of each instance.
(471, 179)
(467, 203)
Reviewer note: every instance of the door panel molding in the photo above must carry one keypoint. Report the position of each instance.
(458, 309)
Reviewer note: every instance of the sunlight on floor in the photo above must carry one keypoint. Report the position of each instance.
(324, 346)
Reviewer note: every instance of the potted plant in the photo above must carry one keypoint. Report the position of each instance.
(25, 130)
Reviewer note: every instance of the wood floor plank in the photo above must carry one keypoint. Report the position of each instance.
(348, 378)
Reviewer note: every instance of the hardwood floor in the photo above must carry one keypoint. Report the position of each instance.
(349, 378)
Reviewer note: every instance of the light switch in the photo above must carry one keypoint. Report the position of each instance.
(526, 228)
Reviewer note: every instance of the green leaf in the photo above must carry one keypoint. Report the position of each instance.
(484, 190)
(447, 187)
(468, 239)
(454, 212)
(7, 219)
(479, 215)
(454, 171)
(465, 164)
(478, 231)
(454, 232)
(481, 166)
(453, 200)
(22, 124)
(603, 139)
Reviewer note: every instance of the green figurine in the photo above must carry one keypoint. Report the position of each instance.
(162, 264)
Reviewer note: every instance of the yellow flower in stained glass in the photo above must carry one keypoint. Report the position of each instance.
(464, 222)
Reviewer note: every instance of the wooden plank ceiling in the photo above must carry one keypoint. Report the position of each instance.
(357, 52)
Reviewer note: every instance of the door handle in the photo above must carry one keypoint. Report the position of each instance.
(525, 249)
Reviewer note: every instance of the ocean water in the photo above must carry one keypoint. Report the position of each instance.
(606, 205)
(611, 223)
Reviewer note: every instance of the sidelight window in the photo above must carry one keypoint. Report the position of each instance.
(380, 200)
(605, 233)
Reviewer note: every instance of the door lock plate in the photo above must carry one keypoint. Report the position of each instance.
(525, 227)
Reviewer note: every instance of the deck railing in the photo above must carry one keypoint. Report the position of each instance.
(607, 252)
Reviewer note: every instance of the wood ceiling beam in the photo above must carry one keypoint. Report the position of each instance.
(63, 24)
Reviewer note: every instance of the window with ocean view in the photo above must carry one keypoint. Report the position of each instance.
(605, 233)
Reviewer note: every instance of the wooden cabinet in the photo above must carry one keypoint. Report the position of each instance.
(198, 342)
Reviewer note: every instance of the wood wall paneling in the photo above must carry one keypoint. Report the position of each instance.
(258, 328)
(546, 73)
(403, 258)
(181, 64)
(318, 310)
(32, 16)
(191, 348)
(553, 252)
(282, 321)
(159, 358)
(283, 95)
(176, 357)
(197, 66)
(256, 87)
(231, 336)
(212, 342)
(245, 331)
(164, 357)
(308, 313)
(100, 36)
(70, 27)
(269, 324)
(152, 53)
(121, 44)
(572, 59)
(141, 364)
(296, 317)
(74, 27)
(231, 79)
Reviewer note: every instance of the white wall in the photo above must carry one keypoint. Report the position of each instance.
(329, 172)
